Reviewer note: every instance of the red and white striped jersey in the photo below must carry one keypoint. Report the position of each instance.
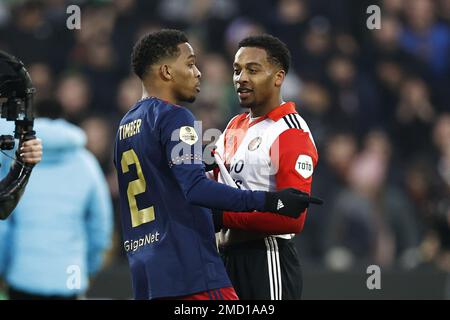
(270, 153)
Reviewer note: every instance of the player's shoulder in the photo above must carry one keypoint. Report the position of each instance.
(158, 110)
(291, 121)
(286, 120)
(171, 111)
(285, 117)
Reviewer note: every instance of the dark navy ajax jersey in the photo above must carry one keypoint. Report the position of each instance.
(170, 243)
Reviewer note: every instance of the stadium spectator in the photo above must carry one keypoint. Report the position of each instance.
(55, 241)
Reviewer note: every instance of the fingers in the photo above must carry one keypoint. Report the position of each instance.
(31, 145)
(31, 151)
(33, 158)
(305, 197)
(315, 200)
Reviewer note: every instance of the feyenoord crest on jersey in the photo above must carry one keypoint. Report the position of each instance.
(254, 144)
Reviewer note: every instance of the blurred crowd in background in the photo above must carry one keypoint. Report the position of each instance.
(377, 102)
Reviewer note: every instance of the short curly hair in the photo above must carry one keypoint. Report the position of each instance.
(155, 46)
(277, 51)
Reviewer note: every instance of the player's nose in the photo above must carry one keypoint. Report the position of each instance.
(241, 77)
(197, 73)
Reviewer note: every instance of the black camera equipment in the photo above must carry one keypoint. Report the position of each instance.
(16, 104)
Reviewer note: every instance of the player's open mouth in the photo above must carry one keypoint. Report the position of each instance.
(244, 92)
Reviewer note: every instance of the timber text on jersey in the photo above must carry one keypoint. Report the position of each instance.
(130, 129)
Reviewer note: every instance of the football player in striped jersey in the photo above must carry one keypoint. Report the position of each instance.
(268, 148)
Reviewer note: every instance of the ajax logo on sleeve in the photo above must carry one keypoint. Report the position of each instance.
(188, 135)
(304, 166)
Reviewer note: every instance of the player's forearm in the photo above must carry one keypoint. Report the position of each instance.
(265, 222)
(207, 193)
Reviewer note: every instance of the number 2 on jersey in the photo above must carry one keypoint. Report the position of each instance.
(135, 188)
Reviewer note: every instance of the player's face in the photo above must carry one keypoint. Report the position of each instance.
(186, 75)
(253, 77)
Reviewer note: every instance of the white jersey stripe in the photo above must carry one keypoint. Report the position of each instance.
(292, 118)
(287, 122)
(296, 121)
(274, 268)
(277, 256)
(269, 266)
(305, 128)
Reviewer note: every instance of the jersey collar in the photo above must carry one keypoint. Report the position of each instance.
(282, 110)
(276, 114)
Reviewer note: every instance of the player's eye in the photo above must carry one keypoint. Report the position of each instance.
(237, 71)
(252, 71)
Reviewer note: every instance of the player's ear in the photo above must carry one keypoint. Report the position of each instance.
(165, 72)
(279, 78)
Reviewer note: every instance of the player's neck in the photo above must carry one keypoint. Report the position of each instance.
(263, 109)
(160, 93)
